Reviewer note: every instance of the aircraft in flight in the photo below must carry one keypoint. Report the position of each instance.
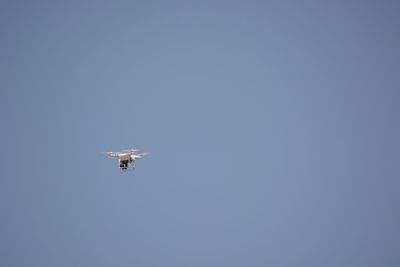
(127, 158)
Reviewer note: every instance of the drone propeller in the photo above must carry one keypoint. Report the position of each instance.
(130, 150)
(110, 154)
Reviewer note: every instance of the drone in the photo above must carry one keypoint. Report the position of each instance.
(126, 158)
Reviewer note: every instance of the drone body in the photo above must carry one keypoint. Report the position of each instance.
(126, 158)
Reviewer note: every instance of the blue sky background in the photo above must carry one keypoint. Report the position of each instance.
(273, 128)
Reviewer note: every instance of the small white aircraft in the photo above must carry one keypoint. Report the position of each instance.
(126, 158)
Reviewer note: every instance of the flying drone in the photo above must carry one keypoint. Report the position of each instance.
(127, 158)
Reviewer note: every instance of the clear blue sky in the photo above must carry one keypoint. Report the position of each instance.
(273, 128)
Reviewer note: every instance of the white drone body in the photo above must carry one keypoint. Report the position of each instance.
(126, 158)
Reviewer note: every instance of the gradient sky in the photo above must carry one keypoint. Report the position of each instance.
(273, 128)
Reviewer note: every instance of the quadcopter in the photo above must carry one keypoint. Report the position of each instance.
(126, 158)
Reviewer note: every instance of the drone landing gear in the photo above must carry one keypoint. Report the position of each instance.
(124, 164)
(132, 162)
